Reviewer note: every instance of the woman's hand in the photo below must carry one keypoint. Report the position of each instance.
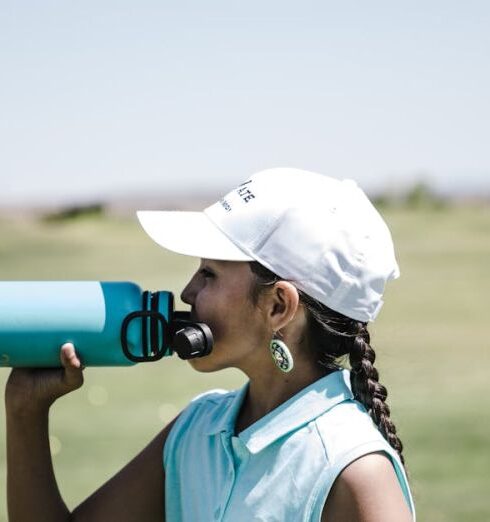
(34, 390)
(30, 478)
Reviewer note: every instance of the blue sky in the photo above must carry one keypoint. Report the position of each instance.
(105, 98)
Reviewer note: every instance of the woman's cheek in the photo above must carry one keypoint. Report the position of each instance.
(214, 324)
(217, 330)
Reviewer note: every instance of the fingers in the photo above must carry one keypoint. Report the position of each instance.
(73, 376)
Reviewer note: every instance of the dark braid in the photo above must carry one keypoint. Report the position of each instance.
(332, 336)
(368, 390)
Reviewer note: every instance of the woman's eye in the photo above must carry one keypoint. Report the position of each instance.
(206, 273)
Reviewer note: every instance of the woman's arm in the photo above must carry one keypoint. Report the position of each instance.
(31, 485)
(367, 490)
(135, 493)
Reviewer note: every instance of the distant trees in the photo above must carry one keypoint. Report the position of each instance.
(419, 195)
(72, 212)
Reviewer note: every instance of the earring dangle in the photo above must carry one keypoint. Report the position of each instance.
(281, 355)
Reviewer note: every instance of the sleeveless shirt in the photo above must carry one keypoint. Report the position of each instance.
(279, 469)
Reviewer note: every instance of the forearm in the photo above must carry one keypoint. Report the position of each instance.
(32, 491)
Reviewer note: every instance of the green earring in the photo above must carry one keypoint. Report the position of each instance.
(281, 355)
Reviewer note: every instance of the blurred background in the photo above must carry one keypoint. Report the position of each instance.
(107, 107)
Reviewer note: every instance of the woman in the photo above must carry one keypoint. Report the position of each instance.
(293, 266)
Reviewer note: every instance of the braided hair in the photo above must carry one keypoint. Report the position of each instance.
(333, 336)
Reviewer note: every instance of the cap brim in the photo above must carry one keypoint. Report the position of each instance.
(190, 234)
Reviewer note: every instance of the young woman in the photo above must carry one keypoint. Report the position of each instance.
(293, 267)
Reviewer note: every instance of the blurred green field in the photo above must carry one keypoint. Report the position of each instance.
(431, 339)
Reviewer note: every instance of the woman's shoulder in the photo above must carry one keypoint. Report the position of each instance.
(207, 403)
(210, 397)
(348, 428)
(348, 433)
(206, 408)
(204, 414)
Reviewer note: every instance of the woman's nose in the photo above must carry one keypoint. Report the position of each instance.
(188, 294)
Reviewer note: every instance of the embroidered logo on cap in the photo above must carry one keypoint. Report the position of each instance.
(243, 191)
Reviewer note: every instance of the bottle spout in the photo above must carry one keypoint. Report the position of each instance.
(189, 339)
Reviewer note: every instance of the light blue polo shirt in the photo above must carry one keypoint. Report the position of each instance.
(280, 468)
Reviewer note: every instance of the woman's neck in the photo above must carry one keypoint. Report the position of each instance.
(269, 388)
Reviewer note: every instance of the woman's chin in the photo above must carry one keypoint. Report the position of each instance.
(204, 364)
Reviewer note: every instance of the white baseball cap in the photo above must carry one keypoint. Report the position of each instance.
(320, 233)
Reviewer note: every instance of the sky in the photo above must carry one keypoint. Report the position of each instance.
(104, 99)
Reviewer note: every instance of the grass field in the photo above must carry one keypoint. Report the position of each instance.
(431, 339)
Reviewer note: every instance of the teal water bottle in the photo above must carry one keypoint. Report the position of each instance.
(110, 324)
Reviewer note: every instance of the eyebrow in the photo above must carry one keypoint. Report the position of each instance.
(208, 264)
(212, 261)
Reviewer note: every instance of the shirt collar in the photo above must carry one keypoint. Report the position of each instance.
(302, 408)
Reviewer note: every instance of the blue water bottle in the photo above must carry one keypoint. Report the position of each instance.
(110, 324)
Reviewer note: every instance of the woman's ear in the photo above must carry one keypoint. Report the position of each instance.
(284, 302)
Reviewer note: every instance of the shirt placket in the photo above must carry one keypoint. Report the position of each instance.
(230, 478)
(240, 456)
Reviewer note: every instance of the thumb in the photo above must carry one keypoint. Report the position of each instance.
(72, 375)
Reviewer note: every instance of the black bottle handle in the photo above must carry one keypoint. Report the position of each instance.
(183, 336)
